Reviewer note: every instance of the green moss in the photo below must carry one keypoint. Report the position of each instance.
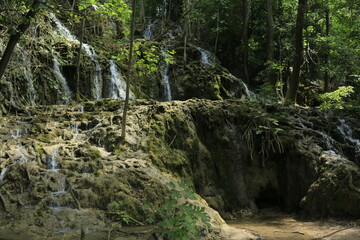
(94, 153)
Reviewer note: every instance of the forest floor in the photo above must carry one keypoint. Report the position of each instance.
(272, 225)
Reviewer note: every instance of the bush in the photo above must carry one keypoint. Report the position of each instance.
(179, 221)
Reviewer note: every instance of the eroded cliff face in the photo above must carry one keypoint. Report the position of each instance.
(240, 155)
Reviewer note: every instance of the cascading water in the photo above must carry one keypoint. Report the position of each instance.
(89, 50)
(55, 200)
(205, 55)
(117, 87)
(167, 87)
(60, 77)
(148, 32)
(3, 173)
(52, 161)
(23, 58)
(75, 130)
(16, 133)
(245, 87)
(347, 132)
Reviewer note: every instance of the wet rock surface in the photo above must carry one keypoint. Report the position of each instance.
(65, 166)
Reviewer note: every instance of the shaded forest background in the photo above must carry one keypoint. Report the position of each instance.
(261, 42)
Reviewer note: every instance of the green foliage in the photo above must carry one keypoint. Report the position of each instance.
(179, 219)
(146, 57)
(116, 10)
(262, 134)
(117, 214)
(335, 99)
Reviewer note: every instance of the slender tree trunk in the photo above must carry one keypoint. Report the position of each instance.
(245, 37)
(129, 72)
(270, 42)
(142, 12)
(295, 77)
(327, 56)
(77, 94)
(217, 32)
(186, 29)
(14, 38)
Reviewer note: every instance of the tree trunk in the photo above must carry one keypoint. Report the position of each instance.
(77, 94)
(327, 56)
(186, 29)
(142, 12)
(295, 77)
(245, 38)
(270, 43)
(14, 38)
(129, 72)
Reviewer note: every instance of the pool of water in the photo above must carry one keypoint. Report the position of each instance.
(282, 227)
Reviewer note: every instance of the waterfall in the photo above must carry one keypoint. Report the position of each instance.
(245, 87)
(167, 87)
(148, 32)
(52, 161)
(31, 92)
(23, 58)
(89, 50)
(205, 55)
(347, 133)
(62, 81)
(16, 133)
(63, 31)
(3, 173)
(117, 87)
(75, 130)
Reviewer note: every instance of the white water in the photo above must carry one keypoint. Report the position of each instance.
(205, 55)
(16, 133)
(245, 87)
(347, 133)
(60, 77)
(53, 166)
(329, 141)
(53, 163)
(75, 130)
(31, 92)
(148, 32)
(167, 87)
(90, 51)
(117, 88)
(3, 173)
(29, 77)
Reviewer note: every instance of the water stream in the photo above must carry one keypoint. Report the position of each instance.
(56, 200)
(245, 87)
(89, 50)
(31, 93)
(205, 55)
(3, 173)
(165, 72)
(148, 32)
(60, 77)
(117, 87)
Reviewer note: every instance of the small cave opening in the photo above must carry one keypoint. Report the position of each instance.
(268, 198)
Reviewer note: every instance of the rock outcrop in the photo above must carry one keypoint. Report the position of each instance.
(70, 168)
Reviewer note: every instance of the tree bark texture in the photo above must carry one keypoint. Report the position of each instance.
(15, 37)
(245, 38)
(327, 87)
(295, 77)
(270, 42)
(129, 72)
